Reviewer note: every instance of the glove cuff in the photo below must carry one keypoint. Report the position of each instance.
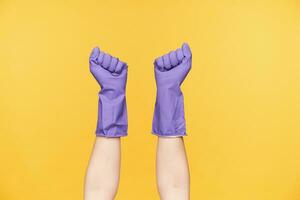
(112, 116)
(168, 119)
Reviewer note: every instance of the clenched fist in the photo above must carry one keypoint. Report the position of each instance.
(111, 74)
(170, 71)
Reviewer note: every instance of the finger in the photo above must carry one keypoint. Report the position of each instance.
(186, 50)
(173, 58)
(100, 57)
(106, 61)
(167, 62)
(94, 54)
(159, 63)
(113, 64)
(179, 54)
(119, 67)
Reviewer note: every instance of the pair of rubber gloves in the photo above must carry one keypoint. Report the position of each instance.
(111, 74)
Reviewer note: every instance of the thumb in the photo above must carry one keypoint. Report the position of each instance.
(187, 53)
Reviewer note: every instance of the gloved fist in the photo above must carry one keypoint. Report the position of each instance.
(170, 71)
(172, 68)
(111, 74)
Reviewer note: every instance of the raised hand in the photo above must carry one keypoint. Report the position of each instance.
(170, 71)
(111, 74)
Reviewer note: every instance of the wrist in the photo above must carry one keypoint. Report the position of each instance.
(112, 93)
(166, 91)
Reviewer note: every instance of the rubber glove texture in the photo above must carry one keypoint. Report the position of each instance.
(111, 74)
(170, 71)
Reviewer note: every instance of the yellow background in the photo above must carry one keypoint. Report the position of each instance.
(241, 97)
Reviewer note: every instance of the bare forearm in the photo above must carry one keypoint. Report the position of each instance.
(102, 177)
(172, 169)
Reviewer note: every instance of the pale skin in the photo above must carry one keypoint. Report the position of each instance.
(172, 171)
(102, 177)
(103, 172)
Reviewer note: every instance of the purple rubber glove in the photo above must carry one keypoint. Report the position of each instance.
(111, 74)
(170, 71)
